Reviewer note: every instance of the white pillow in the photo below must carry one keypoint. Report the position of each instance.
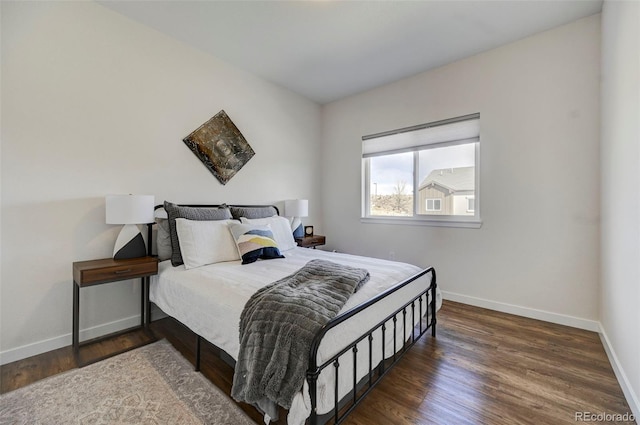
(205, 242)
(280, 227)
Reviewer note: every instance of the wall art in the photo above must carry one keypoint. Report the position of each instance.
(220, 146)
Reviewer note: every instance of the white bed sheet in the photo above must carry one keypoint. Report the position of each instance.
(210, 299)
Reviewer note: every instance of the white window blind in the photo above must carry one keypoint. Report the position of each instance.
(465, 129)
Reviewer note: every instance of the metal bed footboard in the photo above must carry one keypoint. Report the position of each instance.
(361, 387)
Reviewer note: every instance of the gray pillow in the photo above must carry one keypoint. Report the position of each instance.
(253, 212)
(163, 239)
(190, 213)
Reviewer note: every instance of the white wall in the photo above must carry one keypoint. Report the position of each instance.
(537, 250)
(94, 104)
(620, 292)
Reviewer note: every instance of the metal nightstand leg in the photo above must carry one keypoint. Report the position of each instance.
(147, 305)
(76, 313)
(143, 319)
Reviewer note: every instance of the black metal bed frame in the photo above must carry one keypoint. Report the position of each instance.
(361, 387)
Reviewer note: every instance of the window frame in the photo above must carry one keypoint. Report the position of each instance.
(423, 219)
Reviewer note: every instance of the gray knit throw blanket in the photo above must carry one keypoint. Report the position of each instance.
(278, 324)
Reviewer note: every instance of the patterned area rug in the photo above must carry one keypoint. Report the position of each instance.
(150, 385)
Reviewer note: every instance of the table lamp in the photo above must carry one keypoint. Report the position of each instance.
(295, 209)
(129, 210)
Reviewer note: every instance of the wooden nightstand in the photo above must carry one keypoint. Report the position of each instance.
(311, 241)
(107, 270)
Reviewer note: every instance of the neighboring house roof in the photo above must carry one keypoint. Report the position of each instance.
(453, 179)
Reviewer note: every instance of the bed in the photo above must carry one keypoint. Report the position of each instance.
(348, 356)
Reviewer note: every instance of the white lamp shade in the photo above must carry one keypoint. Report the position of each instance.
(296, 208)
(129, 209)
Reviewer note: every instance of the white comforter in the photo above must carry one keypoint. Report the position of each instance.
(210, 299)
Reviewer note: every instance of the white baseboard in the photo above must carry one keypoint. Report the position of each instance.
(46, 345)
(532, 313)
(630, 395)
(40, 347)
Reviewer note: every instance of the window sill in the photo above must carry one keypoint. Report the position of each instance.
(412, 221)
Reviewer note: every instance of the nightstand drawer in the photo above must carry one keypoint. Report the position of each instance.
(311, 241)
(89, 273)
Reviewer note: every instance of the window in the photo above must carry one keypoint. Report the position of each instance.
(434, 205)
(392, 188)
(471, 204)
(425, 174)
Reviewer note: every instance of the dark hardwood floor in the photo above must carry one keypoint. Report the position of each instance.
(483, 367)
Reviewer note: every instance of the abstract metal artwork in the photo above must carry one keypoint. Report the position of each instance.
(220, 146)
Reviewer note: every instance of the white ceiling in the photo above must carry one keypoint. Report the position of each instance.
(326, 50)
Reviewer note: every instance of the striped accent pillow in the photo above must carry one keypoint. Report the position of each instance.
(254, 242)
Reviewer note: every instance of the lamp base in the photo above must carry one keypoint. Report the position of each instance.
(129, 244)
(296, 226)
